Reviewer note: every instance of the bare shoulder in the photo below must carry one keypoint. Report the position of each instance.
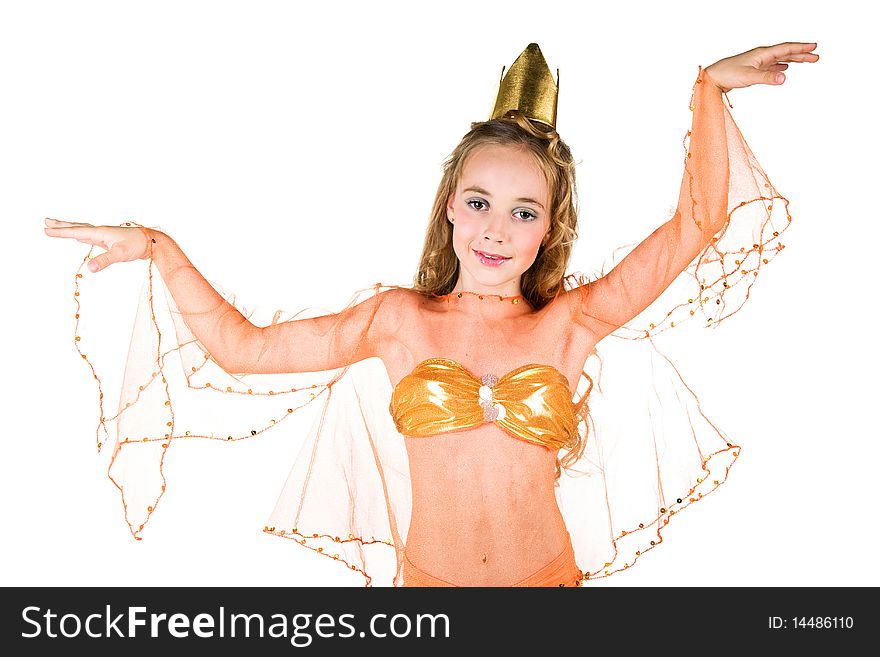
(573, 307)
(396, 306)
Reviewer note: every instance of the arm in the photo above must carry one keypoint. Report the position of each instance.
(703, 205)
(304, 345)
(643, 274)
(240, 347)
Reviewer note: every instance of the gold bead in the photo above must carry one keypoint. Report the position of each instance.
(76, 338)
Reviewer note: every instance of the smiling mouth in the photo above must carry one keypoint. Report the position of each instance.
(490, 258)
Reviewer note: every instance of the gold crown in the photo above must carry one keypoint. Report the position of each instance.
(529, 88)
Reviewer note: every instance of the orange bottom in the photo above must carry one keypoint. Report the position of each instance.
(561, 571)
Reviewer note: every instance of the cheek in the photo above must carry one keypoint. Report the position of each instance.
(532, 242)
(464, 231)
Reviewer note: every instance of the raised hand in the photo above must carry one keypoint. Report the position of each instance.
(121, 242)
(762, 65)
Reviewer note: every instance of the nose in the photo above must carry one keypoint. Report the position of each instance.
(495, 228)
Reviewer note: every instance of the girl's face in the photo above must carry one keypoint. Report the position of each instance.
(500, 215)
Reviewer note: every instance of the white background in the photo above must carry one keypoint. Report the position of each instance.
(293, 152)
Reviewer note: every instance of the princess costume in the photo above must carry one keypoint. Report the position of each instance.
(650, 451)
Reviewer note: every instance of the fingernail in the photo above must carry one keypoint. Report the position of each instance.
(780, 77)
(93, 266)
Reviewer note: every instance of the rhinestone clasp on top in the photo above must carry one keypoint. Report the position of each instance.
(491, 411)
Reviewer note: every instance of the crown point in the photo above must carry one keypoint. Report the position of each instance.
(528, 87)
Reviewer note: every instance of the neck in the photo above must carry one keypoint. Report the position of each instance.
(486, 305)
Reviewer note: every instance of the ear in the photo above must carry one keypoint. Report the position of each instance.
(450, 215)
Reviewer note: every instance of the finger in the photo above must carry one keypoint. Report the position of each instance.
(58, 222)
(785, 51)
(793, 47)
(803, 57)
(79, 233)
(789, 51)
(99, 262)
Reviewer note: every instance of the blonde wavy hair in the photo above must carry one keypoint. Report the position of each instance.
(438, 267)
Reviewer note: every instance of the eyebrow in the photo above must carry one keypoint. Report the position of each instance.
(480, 190)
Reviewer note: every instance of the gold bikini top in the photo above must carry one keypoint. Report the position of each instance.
(532, 402)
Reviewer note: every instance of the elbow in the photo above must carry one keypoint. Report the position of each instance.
(237, 356)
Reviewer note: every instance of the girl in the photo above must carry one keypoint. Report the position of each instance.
(484, 355)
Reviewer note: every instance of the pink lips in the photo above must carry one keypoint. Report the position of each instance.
(488, 259)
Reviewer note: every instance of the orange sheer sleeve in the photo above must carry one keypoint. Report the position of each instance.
(651, 450)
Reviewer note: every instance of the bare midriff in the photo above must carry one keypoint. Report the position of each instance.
(484, 510)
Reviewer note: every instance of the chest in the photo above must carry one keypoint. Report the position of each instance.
(488, 347)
